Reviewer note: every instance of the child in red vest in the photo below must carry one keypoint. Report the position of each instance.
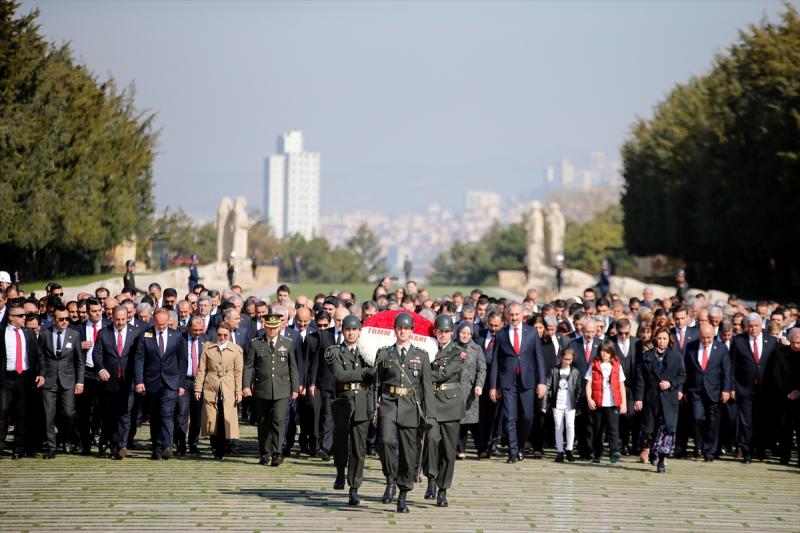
(605, 392)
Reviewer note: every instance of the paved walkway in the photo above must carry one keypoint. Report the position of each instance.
(91, 494)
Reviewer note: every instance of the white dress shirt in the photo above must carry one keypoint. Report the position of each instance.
(11, 349)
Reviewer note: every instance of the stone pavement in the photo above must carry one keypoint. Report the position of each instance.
(190, 494)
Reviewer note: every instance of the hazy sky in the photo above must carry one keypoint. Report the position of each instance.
(406, 101)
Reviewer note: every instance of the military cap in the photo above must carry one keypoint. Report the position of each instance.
(351, 322)
(404, 320)
(443, 323)
(272, 321)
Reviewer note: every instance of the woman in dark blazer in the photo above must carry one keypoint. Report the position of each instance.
(661, 375)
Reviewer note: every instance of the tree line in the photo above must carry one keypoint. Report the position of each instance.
(75, 157)
(712, 177)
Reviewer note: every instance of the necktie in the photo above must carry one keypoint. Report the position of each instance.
(58, 342)
(194, 357)
(491, 342)
(516, 340)
(755, 351)
(271, 346)
(403, 355)
(681, 337)
(19, 351)
(588, 350)
(160, 336)
(704, 363)
(353, 352)
(94, 334)
(339, 338)
(119, 354)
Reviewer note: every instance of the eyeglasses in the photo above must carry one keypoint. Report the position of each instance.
(223, 335)
(62, 319)
(59, 294)
(623, 333)
(16, 314)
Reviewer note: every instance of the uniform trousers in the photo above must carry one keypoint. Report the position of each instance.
(440, 452)
(271, 420)
(349, 442)
(58, 402)
(398, 447)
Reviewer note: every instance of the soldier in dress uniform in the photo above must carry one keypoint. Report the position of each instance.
(442, 438)
(270, 376)
(404, 377)
(352, 407)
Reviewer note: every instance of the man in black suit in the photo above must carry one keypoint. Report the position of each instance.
(113, 357)
(302, 324)
(489, 412)
(18, 376)
(61, 362)
(517, 378)
(683, 335)
(89, 411)
(585, 347)
(708, 383)
(320, 384)
(160, 372)
(751, 353)
(629, 352)
(188, 408)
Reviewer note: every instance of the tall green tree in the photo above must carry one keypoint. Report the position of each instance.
(712, 177)
(75, 157)
(501, 248)
(601, 237)
(365, 245)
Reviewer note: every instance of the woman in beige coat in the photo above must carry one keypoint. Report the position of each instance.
(219, 384)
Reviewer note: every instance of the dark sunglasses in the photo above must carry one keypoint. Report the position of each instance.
(16, 314)
(62, 319)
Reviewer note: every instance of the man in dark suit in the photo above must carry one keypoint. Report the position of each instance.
(113, 357)
(303, 326)
(89, 411)
(321, 383)
(489, 412)
(708, 382)
(61, 362)
(585, 347)
(683, 335)
(188, 408)
(517, 377)
(18, 376)
(160, 372)
(751, 352)
(629, 352)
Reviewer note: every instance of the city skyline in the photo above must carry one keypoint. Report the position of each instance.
(405, 100)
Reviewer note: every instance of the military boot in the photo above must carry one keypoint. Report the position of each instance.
(388, 494)
(402, 506)
(430, 493)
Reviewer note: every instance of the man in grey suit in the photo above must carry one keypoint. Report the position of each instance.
(61, 362)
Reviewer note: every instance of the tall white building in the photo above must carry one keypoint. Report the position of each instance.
(291, 192)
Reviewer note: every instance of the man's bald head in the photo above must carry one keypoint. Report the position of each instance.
(707, 334)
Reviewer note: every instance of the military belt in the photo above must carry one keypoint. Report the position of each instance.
(350, 386)
(399, 391)
(445, 386)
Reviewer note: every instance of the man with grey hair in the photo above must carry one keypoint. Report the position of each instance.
(751, 353)
(715, 317)
(585, 347)
(204, 304)
(145, 312)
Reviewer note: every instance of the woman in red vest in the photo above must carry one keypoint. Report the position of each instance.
(606, 398)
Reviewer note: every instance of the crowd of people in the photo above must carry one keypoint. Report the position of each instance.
(648, 378)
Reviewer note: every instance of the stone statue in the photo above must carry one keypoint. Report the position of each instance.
(232, 226)
(241, 224)
(536, 244)
(557, 227)
(224, 243)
